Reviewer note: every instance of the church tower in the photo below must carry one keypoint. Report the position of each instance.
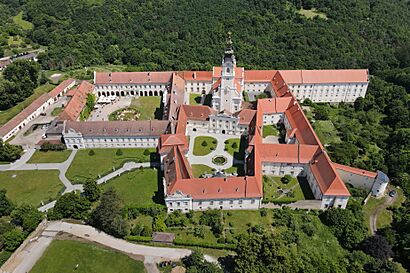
(228, 97)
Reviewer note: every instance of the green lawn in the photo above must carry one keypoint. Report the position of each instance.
(326, 131)
(270, 130)
(18, 20)
(31, 187)
(139, 187)
(204, 145)
(195, 99)
(50, 156)
(85, 166)
(200, 169)
(149, 107)
(232, 145)
(64, 256)
(10, 113)
(311, 13)
(272, 186)
(56, 111)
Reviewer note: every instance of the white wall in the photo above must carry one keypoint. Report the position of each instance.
(356, 180)
(145, 89)
(257, 87)
(227, 204)
(198, 87)
(281, 169)
(110, 142)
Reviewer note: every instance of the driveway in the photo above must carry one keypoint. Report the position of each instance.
(104, 110)
(33, 248)
(373, 217)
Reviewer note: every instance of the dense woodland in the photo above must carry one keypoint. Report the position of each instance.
(177, 35)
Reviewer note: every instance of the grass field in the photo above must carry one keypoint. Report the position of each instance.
(10, 113)
(326, 131)
(200, 169)
(139, 187)
(18, 20)
(272, 185)
(229, 145)
(85, 166)
(195, 99)
(311, 13)
(31, 187)
(50, 156)
(64, 256)
(56, 111)
(149, 107)
(200, 149)
(270, 130)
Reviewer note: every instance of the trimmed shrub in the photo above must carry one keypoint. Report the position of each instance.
(91, 153)
(147, 152)
(119, 152)
(205, 244)
(286, 179)
(204, 143)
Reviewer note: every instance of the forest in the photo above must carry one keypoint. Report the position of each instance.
(188, 34)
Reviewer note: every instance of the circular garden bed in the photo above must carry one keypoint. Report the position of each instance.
(125, 114)
(219, 160)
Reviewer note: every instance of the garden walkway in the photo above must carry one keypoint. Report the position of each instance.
(128, 166)
(219, 150)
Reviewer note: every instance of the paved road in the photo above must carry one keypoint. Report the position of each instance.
(373, 217)
(24, 259)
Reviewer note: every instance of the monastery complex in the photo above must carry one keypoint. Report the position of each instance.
(224, 112)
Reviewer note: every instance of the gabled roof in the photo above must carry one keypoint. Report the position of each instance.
(176, 96)
(245, 116)
(325, 76)
(172, 140)
(76, 104)
(354, 170)
(197, 112)
(217, 72)
(196, 75)
(132, 77)
(259, 75)
(287, 153)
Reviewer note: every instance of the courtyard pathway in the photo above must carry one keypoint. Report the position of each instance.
(128, 166)
(219, 150)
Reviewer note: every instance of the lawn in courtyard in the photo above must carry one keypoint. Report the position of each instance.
(204, 145)
(49, 156)
(195, 99)
(232, 145)
(274, 190)
(137, 187)
(57, 111)
(200, 169)
(270, 130)
(63, 256)
(31, 187)
(148, 107)
(90, 165)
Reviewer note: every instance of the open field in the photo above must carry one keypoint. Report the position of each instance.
(86, 166)
(270, 130)
(64, 256)
(31, 187)
(204, 145)
(195, 99)
(10, 113)
(200, 169)
(311, 13)
(18, 20)
(138, 187)
(49, 156)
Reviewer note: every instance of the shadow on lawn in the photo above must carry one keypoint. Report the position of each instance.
(304, 185)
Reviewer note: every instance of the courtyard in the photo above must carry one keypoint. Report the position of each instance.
(276, 189)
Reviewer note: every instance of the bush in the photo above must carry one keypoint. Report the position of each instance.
(204, 143)
(132, 212)
(263, 212)
(137, 229)
(158, 224)
(199, 231)
(221, 240)
(229, 213)
(13, 239)
(47, 146)
(286, 179)
(184, 242)
(234, 145)
(146, 231)
(91, 152)
(147, 152)
(119, 152)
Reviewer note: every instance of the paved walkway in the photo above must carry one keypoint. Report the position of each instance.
(373, 217)
(33, 248)
(128, 166)
(300, 204)
(219, 150)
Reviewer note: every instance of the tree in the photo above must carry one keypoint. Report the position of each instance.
(377, 247)
(108, 215)
(158, 224)
(204, 143)
(13, 239)
(91, 152)
(286, 179)
(147, 152)
(91, 191)
(5, 204)
(9, 152)
(71, 205)
(322, 113)
(234, 145)
(119, 152)
(26, 216)
(195, 263)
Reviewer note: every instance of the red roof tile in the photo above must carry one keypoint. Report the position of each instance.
(354, 170)
(76, 104)
(325, 76)
(132, 77)
(259, 75)
(196, 75)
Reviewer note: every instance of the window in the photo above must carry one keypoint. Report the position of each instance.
(253, 202)
(221, 202)
(231, 202)
(240, 201)
(211, 203)
(178, 204)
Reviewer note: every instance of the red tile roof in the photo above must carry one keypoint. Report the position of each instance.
(197, 112)
(76, 104)
(132, 77)
(196, 75)
(60, 88)
(259, 75)
(354, 170)
(167, 141)
(217, 72)
(287, 153)
(325, 76)
(246, 116)
(176, 96)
